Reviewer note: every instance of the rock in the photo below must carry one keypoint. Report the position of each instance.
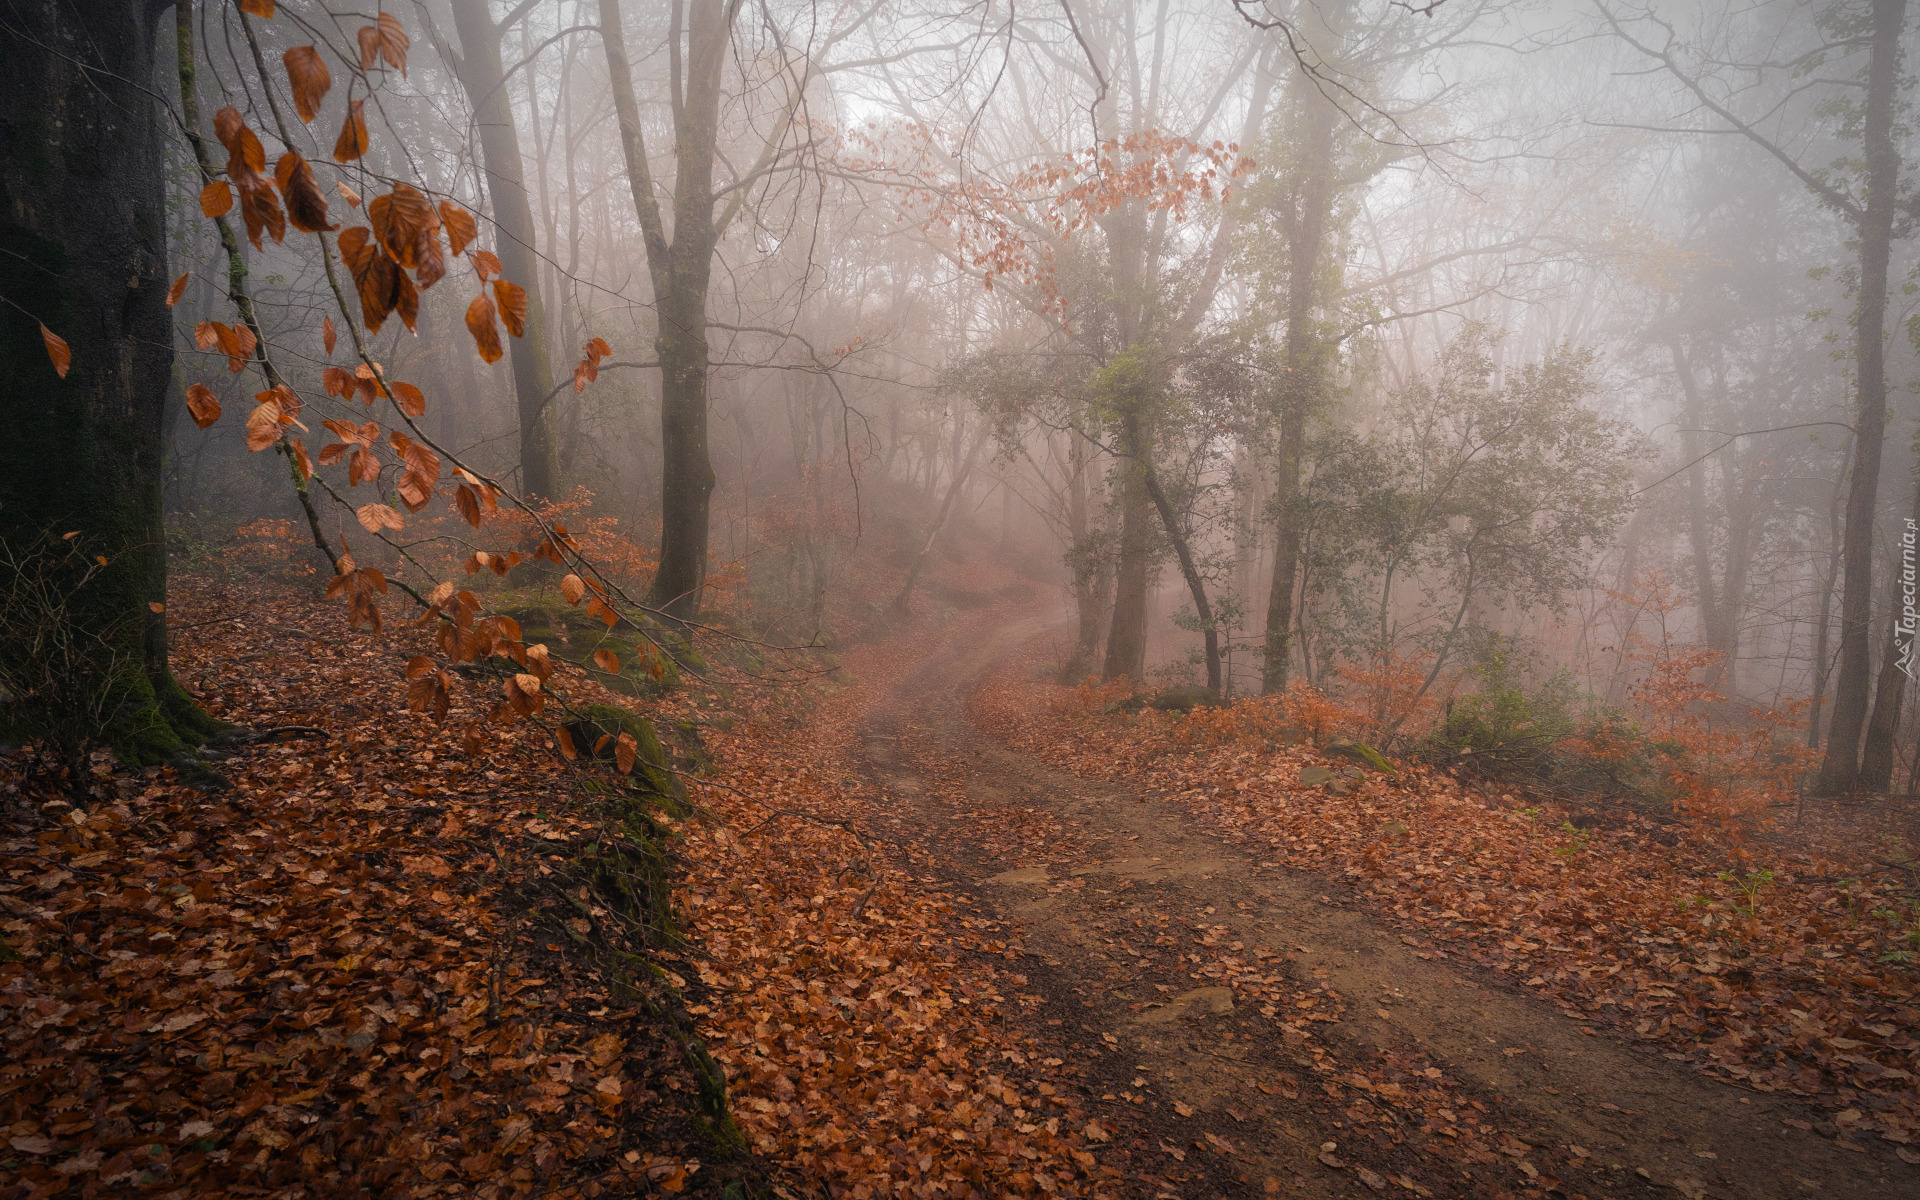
(1184, 698)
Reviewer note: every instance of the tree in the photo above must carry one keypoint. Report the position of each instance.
(83, 254)
(1870, 209)
(482, 73)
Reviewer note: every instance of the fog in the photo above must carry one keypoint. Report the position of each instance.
(1395, 350)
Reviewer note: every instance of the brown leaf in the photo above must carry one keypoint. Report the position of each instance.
(263, 426)
(625, 751)
(353, 140)
(567, 749)
(348, 194)
(216, 199)
(308, 79)
(179, 286)
(387, 40)
(607, 661)
(246, 157)
(57, 350)
(486, 263)
(306, 206)
(486, 335)
(468, 504)
(406, 300)
(401, 220)
(260, 209)
(203, 405)
(411, 400)
(258, 8)
(301, 462)
(375, 517)
(461, 228)
(327, 334)
(573, 588)
(513, 306)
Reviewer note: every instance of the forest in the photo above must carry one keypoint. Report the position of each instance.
(1157, 599)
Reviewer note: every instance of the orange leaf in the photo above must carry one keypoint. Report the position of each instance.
(301, 462)
(348, 194)
(306, 205)
(513, 306)
(410, 399)
(567, 747)
(624, 752)
(216, 198)
(387, 40)
(327, 335)
(353, 140)
(308, 78)
(375, 517)
(486, 262)
(258, 8)
(573, 589)
(155, 606)
(461, 228)
(179, 286)
(203, 405)
(57, 351)
(468, 504)
(607, 661)
(263, 426)
(486, 335)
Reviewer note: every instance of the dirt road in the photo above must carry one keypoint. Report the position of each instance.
(1116, 889)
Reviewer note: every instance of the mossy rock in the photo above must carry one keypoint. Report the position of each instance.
(652, 769)
(1363, 754)
(1184, 698)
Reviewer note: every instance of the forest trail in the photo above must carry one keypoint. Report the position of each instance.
(1203, 1096)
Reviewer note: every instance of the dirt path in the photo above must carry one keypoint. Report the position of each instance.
(1113, 888)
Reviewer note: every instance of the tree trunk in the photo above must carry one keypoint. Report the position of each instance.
(1305, 217)
(1090, 567)
(84, 453)
(1840, 771)
(484, 78)
(1877, 761)
(1210, 636)
(1707, 595)
(1127, 636)
(681, 271)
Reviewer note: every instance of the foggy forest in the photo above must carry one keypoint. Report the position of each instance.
(1157, 599)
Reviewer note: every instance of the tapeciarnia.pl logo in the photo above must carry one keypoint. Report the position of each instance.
(1903, 627)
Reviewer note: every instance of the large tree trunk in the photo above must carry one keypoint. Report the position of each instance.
(681, 271)
(83, 249)
(1841, 769)
(484, 78)
(1304, 216)
(1877, 760)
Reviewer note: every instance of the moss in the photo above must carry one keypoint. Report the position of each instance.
(652, 770)
(1363, 754)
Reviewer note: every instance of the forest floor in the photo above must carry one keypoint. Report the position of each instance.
(945, 934)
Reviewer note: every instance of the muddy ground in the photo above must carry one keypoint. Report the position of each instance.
(1205, 1097)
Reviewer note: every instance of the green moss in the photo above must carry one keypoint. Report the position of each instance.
(652, 770)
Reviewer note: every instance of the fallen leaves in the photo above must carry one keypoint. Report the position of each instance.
(1769, 980)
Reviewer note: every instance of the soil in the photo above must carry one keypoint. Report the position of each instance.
(1204, 1096)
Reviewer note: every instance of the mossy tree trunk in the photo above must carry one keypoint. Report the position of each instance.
(83, 250)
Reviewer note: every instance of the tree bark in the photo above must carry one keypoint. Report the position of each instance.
(1210, 636)
(681, 271)
(1877, 760)
(1841, 769)
(1127, 636)
(83, 250)
(1308, 209)
(483, 76)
